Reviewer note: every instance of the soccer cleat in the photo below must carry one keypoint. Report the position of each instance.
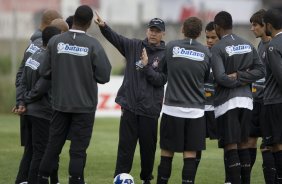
(24, 182)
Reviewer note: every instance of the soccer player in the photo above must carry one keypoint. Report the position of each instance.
(36, 42)
(211, 127)
(273, 87)
(211, 39)
(140, 96)
(75, 63)
(69, 21)
(36, 99)
(235, 64)
(256, 126)
(183, 127)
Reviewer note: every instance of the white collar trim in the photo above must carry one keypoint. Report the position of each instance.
(76, 31)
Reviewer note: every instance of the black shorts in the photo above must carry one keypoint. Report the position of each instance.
(257, 120)
(273, 124)
(233, 126)
(182, 134)
(211, 126)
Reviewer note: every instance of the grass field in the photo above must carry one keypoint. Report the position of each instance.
(102, 155)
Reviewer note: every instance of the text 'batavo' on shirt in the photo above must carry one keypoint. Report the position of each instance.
(238, 49)
(190, 54)
(72, 49)
(33, 64)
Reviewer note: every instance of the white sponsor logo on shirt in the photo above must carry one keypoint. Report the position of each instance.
(190, 54)
(33, 64)
(32, 48)
(72, 49)
(238, 49)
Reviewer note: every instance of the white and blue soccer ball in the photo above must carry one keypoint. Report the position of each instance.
(123, 178)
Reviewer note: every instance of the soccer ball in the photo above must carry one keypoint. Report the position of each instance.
(123, 178)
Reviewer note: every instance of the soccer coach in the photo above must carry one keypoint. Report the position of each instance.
(75, 63)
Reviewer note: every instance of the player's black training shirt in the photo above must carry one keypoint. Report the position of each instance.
(36, 90)
(258, 86)
(233, 54)
(187, 66)
(75, 62)
(273, 85)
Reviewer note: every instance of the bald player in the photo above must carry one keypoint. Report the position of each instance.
(36, 42)
(60, 24)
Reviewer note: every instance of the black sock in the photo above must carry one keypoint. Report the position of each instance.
(233, 166)
(76, 180)
(164, 170)
(278, 165)
(189, 170)
(253, 156)
(198, 158)
(268, 167)
(245, 160)
(227, 179)
(42, 179)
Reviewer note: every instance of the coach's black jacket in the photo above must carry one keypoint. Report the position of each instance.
(142, 90)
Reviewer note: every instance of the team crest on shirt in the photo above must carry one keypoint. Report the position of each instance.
(270, 49)
(156, 62)
(32, 48)
(238, 49)
(31, 63)
(72, 49)
(190, 54)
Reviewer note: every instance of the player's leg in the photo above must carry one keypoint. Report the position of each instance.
(128, 135)
(26, 134)
(274, 117)
(82, 126)
(148, 129)
(59, 128)
(171, 140)
(195, 140)
(229, 134)
(245, 116)
(40, 134)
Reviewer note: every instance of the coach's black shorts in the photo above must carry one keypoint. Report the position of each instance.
(182, 134)
(211, 126)
(257, 120)
(273, 124)
(233, 126)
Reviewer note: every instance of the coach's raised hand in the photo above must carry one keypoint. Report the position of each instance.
(98, 20)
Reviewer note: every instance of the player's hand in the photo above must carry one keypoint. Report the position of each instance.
(15, 110)
(144, 57)
(98, 20)
(21, 109)
(233, 76)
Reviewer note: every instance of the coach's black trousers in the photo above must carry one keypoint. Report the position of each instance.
(79, 126)
(133, 128)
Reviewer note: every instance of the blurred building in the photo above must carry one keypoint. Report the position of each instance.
(19, 18)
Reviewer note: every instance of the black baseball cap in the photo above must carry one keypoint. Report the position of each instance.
(158, 23)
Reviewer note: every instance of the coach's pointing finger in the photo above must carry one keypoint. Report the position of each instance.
(98, 20)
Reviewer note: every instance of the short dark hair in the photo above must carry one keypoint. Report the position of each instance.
(224, 20)
(257, 17)
(273, 17)
(210, 26)
(192, 27)
(83, 15)
(48, 33)
(69, 21)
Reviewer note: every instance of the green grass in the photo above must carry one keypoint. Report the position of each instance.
(102, 155)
